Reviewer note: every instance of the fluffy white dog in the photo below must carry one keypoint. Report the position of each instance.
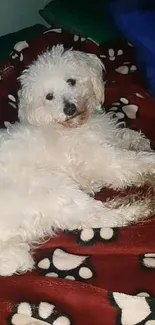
(61, 152)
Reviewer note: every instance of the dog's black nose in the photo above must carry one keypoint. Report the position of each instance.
(69, 108)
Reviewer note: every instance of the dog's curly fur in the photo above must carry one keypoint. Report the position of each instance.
(61, 152)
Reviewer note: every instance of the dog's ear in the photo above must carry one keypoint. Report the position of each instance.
(96, 70)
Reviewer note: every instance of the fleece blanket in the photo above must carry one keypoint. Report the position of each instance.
(94, 276)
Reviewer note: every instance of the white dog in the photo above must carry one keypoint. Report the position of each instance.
(62, 152)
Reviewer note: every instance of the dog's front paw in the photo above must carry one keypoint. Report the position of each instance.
(15, 258)
(143, 144)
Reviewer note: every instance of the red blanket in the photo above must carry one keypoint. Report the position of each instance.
(102, 276)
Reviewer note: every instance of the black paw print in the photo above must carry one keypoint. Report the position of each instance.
(133, 310)
(148, 260)
(42, 313)
(112, 54)
(92, 236)
(123, 110)
(66, 266)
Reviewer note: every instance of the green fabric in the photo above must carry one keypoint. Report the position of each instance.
(8, 41)
(87, 18)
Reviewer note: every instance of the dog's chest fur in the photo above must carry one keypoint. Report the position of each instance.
(51, 147)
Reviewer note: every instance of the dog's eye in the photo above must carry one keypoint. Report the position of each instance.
(71, 82)
(49, 96)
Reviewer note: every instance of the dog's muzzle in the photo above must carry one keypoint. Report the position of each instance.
(69, 108)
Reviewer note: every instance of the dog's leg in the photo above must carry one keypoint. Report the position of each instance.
(132, 140)
(74, 209)
(67, 208)
(15, 258)
(115, 168)
(63, 207)
(94, 214)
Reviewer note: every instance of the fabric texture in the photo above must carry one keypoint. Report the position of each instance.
(8, 41)
(87, 18)
(136, 22)
(94, 276)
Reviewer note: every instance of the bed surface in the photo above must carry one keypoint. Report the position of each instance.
(103, 276)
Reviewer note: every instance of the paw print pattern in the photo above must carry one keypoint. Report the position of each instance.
(117, 56)
(133, 310)
(123, 109)
(142, 293)
(93, 41)
(55, 30)
(92, 236)
(126, 68)
(66, 266)
(130, 45)
(112, 54)
(17, 50)
(148, 260)
(12, 101)
(41, 314)
(139, 95)
(78, 38)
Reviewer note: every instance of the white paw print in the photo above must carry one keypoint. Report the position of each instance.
(130, 45)
(126, 68)
(139, 95)
(143, 294)
(112, 54)
(66, 265)
(148, 260)
(55, 30)
(79, 38)
(17, 50)
(123, 109)
(12, 101)
(92, 40)
(133, 310)
(41, 314)
(92, 236)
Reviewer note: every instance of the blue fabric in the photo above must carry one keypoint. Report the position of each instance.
(136, 21)
(134, 4)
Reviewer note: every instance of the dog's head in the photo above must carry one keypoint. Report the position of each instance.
(63, 86)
